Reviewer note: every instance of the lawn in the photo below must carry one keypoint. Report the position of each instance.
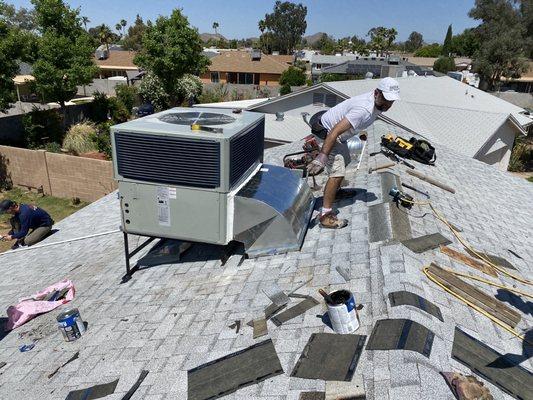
(530, 179)
(56, 207)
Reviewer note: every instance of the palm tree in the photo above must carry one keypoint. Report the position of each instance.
(85, 21)
(104, 35)
(215, 27)
(123, 23)
(118, 27)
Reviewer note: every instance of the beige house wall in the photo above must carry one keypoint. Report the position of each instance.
(58, 175)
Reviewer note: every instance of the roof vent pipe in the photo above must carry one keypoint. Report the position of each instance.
(279, 116)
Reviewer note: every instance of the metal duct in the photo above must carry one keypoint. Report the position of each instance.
(272, 211)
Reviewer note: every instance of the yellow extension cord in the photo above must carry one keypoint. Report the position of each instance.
(477, 308)
(485, 259)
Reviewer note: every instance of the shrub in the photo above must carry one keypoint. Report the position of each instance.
(431, 50)
(293, 77)
(99, 109)
(151, 91)
(79, 139)
(118, 111)
(128, 95)
(444, 64)
(285, 89)
(102, 139)
(42, 127)
(189, 87)
(5, 177)
(53, 147)
(521, 157)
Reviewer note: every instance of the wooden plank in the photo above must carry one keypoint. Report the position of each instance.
(475, 296)
(464, 259)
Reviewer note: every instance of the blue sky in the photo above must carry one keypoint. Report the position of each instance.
(238, 18)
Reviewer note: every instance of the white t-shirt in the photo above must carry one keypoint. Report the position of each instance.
(359, 110)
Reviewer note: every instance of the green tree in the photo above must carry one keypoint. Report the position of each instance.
(293, 77)
(127, 95)
(151, 91)
(172, 48)
(444, 64)
(105, 36)
(63, 58)
(465, 44)
(359, 45)
(287, 25)
(381, 39)
(216, 25)
(326, 44)
(431, 50)
(133, 40)
(447, 46)
(526, 10)
(9, 53)
(85, 21)
(123, 24)
(118, 28)
(503, 42)
(22, 18)
(414, 42)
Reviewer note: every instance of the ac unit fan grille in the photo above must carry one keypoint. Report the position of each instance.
(245, 151)
(169, 160)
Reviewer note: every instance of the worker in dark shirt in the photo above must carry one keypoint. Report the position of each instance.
(29, 224)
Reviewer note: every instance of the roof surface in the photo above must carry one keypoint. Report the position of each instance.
(171, 318)
(325, 59)
(289, 130)
(444, 110)
(429, 61)
(118, 59)
(241, 61)
(361, 66)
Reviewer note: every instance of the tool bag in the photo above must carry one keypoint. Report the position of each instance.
(421, 150)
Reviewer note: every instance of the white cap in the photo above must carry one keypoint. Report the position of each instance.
(390, 88)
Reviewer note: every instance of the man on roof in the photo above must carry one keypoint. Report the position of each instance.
(29, 224)
(341, 123)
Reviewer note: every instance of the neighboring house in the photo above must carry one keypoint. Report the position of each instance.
(320, 61)
(378, 67)
(444, 110)
(524, 84)
(249, 68)
(461, 63)
(279, 129)
(115, 63)
(23, 81)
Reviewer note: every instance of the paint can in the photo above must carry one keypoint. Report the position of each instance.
(70, 324)
(342, 312)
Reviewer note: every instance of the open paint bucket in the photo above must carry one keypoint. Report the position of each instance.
(342, 313)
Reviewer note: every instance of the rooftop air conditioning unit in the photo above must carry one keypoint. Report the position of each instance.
(197, 175)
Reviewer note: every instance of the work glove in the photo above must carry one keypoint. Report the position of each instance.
(317, 165)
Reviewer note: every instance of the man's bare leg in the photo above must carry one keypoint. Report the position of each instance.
(330, 191)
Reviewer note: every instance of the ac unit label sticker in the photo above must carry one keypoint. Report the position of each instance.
(163, 209)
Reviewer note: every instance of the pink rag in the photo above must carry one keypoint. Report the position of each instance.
(30, 307)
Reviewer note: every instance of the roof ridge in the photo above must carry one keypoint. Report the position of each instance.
(456, 108)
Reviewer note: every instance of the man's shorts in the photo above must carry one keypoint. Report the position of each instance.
(338, 159)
